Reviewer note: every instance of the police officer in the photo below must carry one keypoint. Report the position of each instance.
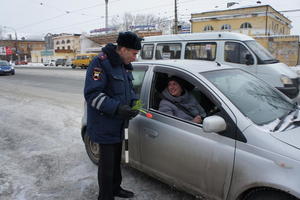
(109, 95)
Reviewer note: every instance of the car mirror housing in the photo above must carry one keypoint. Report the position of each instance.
(214, 124)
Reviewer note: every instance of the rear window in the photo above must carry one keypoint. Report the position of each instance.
(168, 51)
(78, 57)
(201, 51)
(147, 51)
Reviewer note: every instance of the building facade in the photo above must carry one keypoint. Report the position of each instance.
(254, 21)
(66, 45)
(21, 49)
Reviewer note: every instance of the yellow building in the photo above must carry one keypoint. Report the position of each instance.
(255, 20)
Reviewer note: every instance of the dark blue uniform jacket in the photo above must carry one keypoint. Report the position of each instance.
(108, 84)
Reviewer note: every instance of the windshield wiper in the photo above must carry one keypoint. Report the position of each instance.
(293, 121)
(282, 118)
(271, 61)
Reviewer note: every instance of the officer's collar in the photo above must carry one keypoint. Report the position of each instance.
(113, 57)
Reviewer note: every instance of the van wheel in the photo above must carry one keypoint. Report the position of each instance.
(265, 194)
(92, 149)
(73, 66)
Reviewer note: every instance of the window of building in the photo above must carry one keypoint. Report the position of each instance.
(201, 51)
(63, 42)
(69, 47)
(63, 48)
(57, 42)
(226, 27)
(68, 41)
(246, 25)
(57, 48)
(208, 28)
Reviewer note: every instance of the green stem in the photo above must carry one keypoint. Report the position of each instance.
(143, 111)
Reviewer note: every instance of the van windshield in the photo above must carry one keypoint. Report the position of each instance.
(254, 98)
(265, 57)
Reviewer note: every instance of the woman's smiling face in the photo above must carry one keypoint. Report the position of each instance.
(174, 88)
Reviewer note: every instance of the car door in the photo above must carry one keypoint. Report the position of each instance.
(181, 153)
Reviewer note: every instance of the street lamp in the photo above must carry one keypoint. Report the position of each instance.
(16, 42)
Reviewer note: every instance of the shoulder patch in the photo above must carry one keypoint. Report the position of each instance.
(97, 73)
(102, 56)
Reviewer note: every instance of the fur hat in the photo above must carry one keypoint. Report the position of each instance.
(129, 40)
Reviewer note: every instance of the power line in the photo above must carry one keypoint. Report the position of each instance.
(66, 13)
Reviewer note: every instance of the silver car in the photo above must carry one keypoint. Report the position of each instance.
(247, 148)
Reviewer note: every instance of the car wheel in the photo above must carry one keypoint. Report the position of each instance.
(13, 73)
(268, 195)
(92, 149)
(73, 66)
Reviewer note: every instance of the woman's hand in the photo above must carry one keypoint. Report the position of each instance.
(197, 119)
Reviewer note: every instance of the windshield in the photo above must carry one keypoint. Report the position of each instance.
(3, 63)
(254, 98)
(264, 55)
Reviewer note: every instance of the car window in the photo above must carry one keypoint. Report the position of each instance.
(3, 63)
(192, 95)
(201, 51)
(168, 51)
(254, 98)
(235, 53)
(147, 51)
(138, 75)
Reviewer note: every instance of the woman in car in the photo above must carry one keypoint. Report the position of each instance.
(177, 101)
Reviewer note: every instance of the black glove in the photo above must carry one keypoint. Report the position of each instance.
(125, 112)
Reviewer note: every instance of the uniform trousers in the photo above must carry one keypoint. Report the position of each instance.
(109, 170)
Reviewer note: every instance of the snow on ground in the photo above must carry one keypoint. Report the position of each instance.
(42, 154)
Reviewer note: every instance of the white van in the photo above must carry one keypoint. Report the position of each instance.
(224, 48)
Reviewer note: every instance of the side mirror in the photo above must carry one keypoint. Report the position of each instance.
(249, 59)
(214, 124)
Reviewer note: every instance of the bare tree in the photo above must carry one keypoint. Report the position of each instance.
(128, 21)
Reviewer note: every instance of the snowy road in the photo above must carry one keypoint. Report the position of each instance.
(42, 156)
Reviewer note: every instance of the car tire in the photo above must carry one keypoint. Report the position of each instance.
(265, 194)
(13, 73)
(92, 149)
(73, 66)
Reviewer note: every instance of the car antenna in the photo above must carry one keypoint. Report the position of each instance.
(218, 64)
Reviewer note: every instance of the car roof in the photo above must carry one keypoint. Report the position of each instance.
(198, 37)
(194, 66)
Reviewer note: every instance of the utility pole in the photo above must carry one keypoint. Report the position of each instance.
(106, 14)
(176, 19)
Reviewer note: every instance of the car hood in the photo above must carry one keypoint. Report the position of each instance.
(283, 69)
(290, 137)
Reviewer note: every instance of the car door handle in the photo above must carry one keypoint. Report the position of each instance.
(150, 132)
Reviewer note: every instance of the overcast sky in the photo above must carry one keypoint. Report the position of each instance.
(38, 17)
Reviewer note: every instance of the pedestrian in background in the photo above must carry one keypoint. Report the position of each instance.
(109, 95)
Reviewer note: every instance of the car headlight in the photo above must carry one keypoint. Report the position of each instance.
(286, 80)
(12, 67)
